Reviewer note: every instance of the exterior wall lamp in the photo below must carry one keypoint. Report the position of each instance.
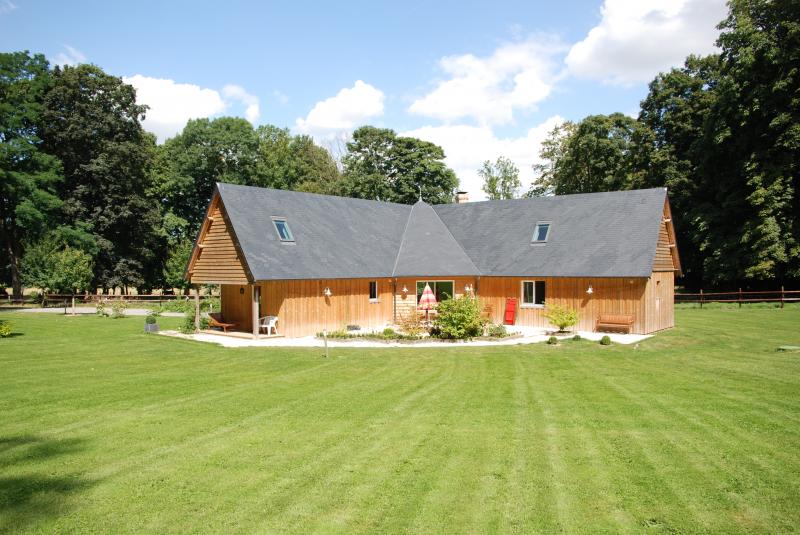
(468, 288)
(590, 291)
(405, 289)
(327, 292)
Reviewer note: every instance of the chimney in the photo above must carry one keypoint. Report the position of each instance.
(462, 197)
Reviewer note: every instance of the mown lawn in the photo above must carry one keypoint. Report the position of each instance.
(105, 429)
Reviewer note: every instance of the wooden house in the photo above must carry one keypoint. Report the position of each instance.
(322, 262)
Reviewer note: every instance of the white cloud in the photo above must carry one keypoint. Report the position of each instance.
(636, 39)
(69, 56)
(467, 147)
(7, 6)
(172, 104)
(236, 92)
(516, 76)
(349, 108)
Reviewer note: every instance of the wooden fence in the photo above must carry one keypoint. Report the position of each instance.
(741, 297)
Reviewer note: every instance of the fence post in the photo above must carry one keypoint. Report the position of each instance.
(782, 296)
(740, 298)
(701, 298)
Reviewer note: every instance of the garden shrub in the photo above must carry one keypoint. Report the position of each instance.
(561, 316)
(605, 340)
(497, 331)
(577, 338)
(188, 323)
(100, 309)
(118, 308)
(5, 328)
(411, 324)
(459, 318)
(552, 341)
(150, 319)
(388, 332)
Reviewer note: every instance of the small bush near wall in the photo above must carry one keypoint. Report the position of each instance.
(188, 323)
(411, 324)
(118, 308)
(605, 341)
(561, 316)
(5, 328)
(459, 318)
(496, 331)
(552, 341)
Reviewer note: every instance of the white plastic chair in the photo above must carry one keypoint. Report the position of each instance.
(269, 323)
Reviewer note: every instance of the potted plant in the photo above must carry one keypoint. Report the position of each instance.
(150, 325)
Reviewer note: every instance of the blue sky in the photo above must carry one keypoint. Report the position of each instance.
(481, 79)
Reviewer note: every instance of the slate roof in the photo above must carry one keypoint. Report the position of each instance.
(610, 234)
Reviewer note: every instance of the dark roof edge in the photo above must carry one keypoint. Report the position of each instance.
(307, 193)
(403, 240)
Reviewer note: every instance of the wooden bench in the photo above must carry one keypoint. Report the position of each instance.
(614, 321)
(215, 319)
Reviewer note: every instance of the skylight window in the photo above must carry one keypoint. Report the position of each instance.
(282, 228)
(541, 232)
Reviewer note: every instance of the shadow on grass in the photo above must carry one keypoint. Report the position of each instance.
(30, 489)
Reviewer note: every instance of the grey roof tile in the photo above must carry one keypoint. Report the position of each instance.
(597, 234)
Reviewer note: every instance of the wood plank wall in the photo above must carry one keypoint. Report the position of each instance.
(303, 310)
(216, 260)
(610, 296)
(659, 302)
(235, 306)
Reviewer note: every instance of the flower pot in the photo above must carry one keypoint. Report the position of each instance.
(151, 327)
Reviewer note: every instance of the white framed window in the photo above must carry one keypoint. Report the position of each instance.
(541, 232)
(441, 289)
(533, 294)
(282, 228)
(373, 291)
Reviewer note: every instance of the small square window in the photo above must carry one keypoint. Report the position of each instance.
(282, 228)
(373, 290)
(533, 293)
(541, 232)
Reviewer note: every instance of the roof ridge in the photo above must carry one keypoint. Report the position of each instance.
(403, 239)
(309, 194)
(478, 271)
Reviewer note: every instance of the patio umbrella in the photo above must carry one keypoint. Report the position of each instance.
(427, 301)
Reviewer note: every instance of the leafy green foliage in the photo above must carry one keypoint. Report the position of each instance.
(150, 319)
(605, 340)
(577, 338)
(497, 331)
(175, 266)
(5, 328)
(118, 308)
(552, 341)
(459, 318)
(92, 123)
(381, 165)
(57, 270)
(600, 153)
(500, 179)
(561, 316)
(29, 202)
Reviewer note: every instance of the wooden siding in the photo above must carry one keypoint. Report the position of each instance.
(303, 310)
(609, 296)
(215, 259)
(666, 249)
(235, 303)
(659, 301)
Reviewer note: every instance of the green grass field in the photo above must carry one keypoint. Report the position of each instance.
(105, 429)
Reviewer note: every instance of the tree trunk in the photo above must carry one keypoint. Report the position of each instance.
(14, 254)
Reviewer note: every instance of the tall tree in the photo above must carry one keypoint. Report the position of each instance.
(91, 122)
(500, 179)
(381, 165)
(28, 177)
(600, 153)
(204, 153)
(757, 141)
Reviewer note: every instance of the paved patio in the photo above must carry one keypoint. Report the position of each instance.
(529, 336)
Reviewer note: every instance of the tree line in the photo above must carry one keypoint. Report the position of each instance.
(722, 133)
(82, 183)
